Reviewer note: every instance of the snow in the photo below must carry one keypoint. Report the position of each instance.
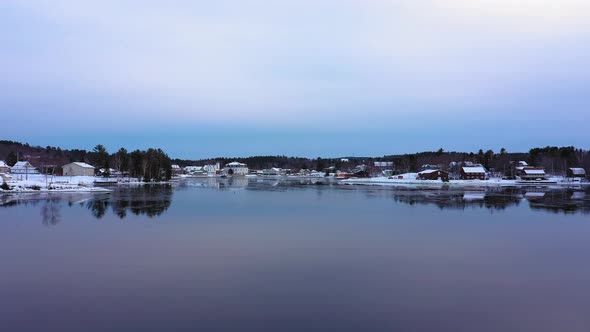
(235, 163)
(477, 169)
(81, 164)
(3, 164)
(534, 171)
(41, 183)
(429, 171)
(575, 171)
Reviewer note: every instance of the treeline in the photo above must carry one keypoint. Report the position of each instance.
(155, 165)
(149, 165)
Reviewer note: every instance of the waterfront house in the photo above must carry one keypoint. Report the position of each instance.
(78, 169)
(3, 167)
(235, 168)
(473, 173)
(176, 170)
(532, 173)
(576, 172)
(23, 167)
(433, 174)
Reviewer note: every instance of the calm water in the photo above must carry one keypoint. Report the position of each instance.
(264, 255)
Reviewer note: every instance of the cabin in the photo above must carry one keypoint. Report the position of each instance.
(433, 174)
(576, 172)
(235, 168)
(3, 167)
(473, 173)
(78, 169)
(532, 173)
(23, 167)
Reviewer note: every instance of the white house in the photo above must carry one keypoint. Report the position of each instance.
(236, 168)
(23, 167)
(78, 169)
(3, 167)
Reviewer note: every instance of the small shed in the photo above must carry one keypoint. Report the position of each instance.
(473, 173)
(78, 169)
(3, 167)
(576, 172)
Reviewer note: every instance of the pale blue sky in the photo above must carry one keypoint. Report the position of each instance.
(295, 77)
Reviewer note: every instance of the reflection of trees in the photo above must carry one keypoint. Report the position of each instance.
(50, 211)
(559, 200)
(149, 200)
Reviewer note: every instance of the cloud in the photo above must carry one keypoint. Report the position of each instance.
(267, 61)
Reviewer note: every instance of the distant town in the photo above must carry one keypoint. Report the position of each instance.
(25, 167)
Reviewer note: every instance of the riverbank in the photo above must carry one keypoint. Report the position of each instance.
(409, 179)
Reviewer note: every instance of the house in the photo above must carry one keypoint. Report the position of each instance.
(531, 173)
(433, 174)
(235, 168)
(194, 170)
(176, 170)
(473, 173)
(3, 167)
(23, 167)
(212, 168)
(576, 172)
(78, 169)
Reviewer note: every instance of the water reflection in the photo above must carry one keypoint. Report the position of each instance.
(149, 200)
(154, 200)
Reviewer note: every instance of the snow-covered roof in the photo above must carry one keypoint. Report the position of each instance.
(534, 171)
(23, 165)
(428, 171)
(235, 163)
(84, 165)
(476, 169)
(575, 170)
(3, 164)
(175, 167)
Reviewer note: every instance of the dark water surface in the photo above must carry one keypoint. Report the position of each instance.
(267, 255)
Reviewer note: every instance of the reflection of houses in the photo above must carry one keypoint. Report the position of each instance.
(433, 174)
(576, 172)
(23, 167)
(78, 169)
(3, 167)
(235, 168)
(473, 173)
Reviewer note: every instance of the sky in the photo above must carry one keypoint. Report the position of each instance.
(308, 78)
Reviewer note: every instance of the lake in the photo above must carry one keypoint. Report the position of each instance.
(299, 255)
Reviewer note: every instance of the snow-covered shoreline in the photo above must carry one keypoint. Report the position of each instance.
(39, 183)
(410, 180)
